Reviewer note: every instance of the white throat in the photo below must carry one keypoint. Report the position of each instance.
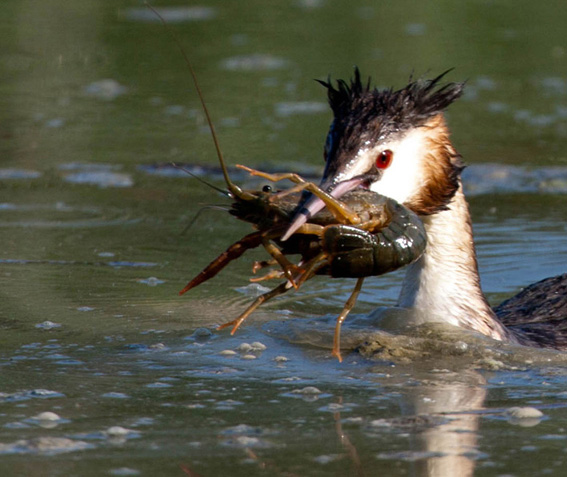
(444, 284)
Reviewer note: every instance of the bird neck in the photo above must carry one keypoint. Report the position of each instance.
(444, 284)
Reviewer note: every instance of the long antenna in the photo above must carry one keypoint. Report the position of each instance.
(200, 179)
(233, 188)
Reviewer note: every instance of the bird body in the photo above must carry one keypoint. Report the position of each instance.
(400, 141)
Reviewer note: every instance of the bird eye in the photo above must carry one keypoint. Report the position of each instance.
(384, 159)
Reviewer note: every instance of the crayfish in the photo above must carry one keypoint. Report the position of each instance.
(360, 235)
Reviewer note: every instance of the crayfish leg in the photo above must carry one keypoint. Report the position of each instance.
(279, 290)
(268, 276)
(233, 252)
(340, 210)
(309, 269)
(349, 305)
(259, 264)
(289, 269)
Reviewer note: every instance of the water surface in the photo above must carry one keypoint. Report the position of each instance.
(96, 95)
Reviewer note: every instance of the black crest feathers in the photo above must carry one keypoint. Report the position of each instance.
(407, 107)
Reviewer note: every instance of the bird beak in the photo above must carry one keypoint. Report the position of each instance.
(314, 204)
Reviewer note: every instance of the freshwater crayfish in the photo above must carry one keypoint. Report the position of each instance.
(358, 234)
(362, 234)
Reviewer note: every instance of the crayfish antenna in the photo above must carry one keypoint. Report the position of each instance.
(200, 179)
(236, 191)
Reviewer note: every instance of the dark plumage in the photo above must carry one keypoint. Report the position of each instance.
(356, 106)
(537, 316)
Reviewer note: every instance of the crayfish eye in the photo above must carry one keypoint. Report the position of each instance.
(384, 159)
(267, 188)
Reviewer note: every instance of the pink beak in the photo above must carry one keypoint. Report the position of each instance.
(315, 204)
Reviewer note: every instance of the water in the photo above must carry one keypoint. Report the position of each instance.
(96, 95)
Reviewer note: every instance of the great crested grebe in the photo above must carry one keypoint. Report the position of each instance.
(401, 139)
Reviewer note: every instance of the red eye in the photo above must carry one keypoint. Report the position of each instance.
(384, 159)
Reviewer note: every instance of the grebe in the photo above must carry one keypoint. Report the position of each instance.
(401, 138)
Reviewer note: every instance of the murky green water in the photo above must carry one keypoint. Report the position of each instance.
(95, 93)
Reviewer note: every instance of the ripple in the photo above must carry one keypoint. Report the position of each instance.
(6, 174)
(497, 178)
(44, 446)
(116, 264)
(101, 179)
(254, 62)
(59, 215)
(105, 89)
(286, 109)
(31, 394)
(170, 14)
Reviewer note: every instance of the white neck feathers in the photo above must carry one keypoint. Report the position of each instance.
(444, 285)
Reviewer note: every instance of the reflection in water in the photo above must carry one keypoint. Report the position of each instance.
(453, 445)
(442, 427)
